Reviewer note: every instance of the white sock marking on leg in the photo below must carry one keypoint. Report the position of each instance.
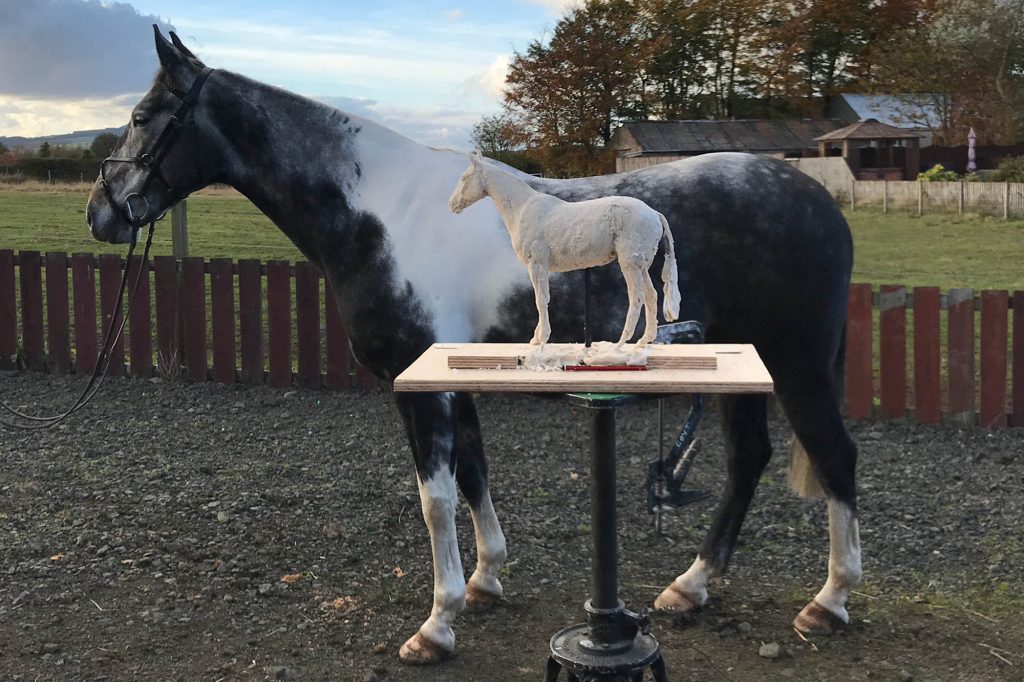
(438, 498)
(490, 548)
(844, 569)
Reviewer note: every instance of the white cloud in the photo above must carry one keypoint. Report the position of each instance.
(75, 49)
(557, 7)
(32, 117)
(490, 83)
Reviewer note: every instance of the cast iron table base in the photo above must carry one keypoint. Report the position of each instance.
(614, 645)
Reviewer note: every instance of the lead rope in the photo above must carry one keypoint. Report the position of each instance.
(99, 371)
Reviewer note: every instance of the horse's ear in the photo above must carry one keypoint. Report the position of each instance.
(184, 50)
(175, 63)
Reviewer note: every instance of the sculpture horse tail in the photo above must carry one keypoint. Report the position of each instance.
(669, 273)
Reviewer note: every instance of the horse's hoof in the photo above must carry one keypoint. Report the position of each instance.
(674, 599)
(815, 619)
(418, 650)
(478, 600)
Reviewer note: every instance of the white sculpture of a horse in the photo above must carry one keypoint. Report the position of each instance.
(552, 235)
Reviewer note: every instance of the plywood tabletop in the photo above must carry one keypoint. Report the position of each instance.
(738, 369)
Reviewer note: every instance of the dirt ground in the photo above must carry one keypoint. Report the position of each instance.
(176, 532)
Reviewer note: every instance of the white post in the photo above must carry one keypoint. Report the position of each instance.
(1006, 200)
(853, 187)
(885, 196)
(960, 199)
(920, 198)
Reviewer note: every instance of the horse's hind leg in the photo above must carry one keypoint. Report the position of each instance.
(650, 309)
(430, 423)
(539, 277)
(748, 449)
(811, 402)
(484, 589)
(631, 273)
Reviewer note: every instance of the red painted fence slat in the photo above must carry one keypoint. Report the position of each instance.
(927, 356)
(31, 277)
(1017, 399)
(279, 310)
(307, 321)
(140, 334)
(960, 347)
(168, 324)
(110, 282)
(994, 328)
(193, 316)
(859, 374)
(222, 299)
(8, 311)
(338, 356)
(892, 361)
(58, 325)
(83, 279)
(250, 320)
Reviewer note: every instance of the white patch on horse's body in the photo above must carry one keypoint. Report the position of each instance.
(552, 235)
(844, 565)
(460, 267)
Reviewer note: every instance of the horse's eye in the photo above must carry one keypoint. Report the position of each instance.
(139, 119)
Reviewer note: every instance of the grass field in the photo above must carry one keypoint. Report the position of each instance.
(943, 250)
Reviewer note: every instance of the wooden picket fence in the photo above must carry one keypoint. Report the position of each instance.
(276, 323)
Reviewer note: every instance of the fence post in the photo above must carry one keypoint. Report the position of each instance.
(892, 351)
(960, 200)
(1006, 200)
(960, 350)
(179, 230)
(885, 196)
(853, 188)
(920, 198)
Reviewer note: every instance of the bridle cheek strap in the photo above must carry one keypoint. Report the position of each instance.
(139, 213)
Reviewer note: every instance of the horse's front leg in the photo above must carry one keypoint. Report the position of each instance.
(430, 423)
(484, 589)
(539, 276)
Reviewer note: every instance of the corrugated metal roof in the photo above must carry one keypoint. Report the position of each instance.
(725, 136)
(870, 129)
(907, 111)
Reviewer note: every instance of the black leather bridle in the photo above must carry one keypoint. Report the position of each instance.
(150, 161)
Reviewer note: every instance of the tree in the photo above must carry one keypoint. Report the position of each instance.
(568, 95)
(3, 149)
(103, 145)
(966, 59)
(497, 134)
(44, 150)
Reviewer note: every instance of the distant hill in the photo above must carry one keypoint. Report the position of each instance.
(79, 138)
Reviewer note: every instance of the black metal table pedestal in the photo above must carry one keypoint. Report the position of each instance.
(614, 644)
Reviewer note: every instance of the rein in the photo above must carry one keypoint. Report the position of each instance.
(151, 161)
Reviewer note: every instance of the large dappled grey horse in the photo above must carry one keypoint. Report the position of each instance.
(764, 257)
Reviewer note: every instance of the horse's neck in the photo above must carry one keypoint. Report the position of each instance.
(290, 156)
(508, 192)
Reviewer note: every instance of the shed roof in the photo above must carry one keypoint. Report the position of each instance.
(871, 129)
(905, 110)
(717, 136)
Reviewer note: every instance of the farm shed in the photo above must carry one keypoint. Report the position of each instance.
(639, 144)
(874, 150)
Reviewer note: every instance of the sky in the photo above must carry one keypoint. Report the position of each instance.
(426, 68)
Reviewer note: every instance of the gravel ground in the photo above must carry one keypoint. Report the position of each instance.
(202, 532)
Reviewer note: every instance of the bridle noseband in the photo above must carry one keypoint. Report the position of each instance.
(136, 208)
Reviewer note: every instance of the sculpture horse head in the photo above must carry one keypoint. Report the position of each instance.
(164, 153)
(471, 187)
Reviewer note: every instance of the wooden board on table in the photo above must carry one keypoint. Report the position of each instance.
(737, 369)
(658, 359)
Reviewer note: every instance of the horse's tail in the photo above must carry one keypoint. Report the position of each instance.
(669, 273)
